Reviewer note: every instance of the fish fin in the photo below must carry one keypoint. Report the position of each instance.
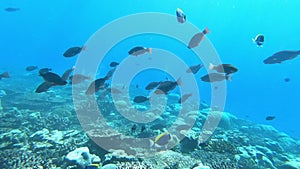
(179, 82)
(83, 48)
(228, 78)
(5, 74)
(206, 31)
(211, 66)
(150, 50)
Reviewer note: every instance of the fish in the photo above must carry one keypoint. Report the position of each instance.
(113, 64)
(45, 86)
(73, 51)
(270, 118)
(110, 73)
(143, 128)
(133, 128)
(152, 85)
(140, 99)
(194, 69)
(259, 40)
(67, 73)
(167, 86)
(215, 77)
(53, 78)
(223, 68)
(31, 68)
(281, 56)
(44, 70)
(184, 97)
(11, 9)
(162, 139)
(78, 78)
(181, 17)
(4, 75)
(95, 86)
(197, 38)
(287, 79)
(139, 50)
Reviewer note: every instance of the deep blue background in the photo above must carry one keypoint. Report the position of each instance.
(41, 31)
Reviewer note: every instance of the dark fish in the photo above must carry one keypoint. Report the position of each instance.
(4, 75)
(67, 73)
(140, 99)
(43, 87)
(270, 117)
(73, 51)
(53, 78)
(143, 129)
(133, 128)
(110, 73)
(31, 68)
(139, 50)
(214, 77)
(184, 98)
(194, 69)
(281, 56)
(197, 38)
(10, 9)
(113, 64)
(259, 40)
(78, 78)
(223, 68)
(137, 86)
(287, 79)
(152, 85)
(95, 86)
(44, 70)
(167, 86)
(181, 17)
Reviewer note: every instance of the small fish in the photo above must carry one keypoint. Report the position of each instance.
(197, 38)
(184, 97)
(287, 79)
(194, 69)
(53, 78)
(110, 73)
(78, 78)
(31, 68)
(223, 68)
(4, 75)
(259, 40)
(73, 51)
(67, 73)
(11, 9)
(167, 86)
(270, 118)
(44, 70)
(140, 99)
(162, 139)
(113, 64)
(181, 17)
(133, 128)
(281, 56)
(95, 86)
(143, 128)
(152, 85)
(45, 86)
(215, 77)
(139, 50)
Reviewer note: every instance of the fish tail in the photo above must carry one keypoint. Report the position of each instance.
(83, 48)
(150, 50)
(179, 82)
(211, 66)
(5, 74)
(206, 31)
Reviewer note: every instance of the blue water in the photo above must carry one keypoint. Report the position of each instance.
(41, 31)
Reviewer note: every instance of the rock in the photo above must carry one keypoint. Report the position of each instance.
(109, 166)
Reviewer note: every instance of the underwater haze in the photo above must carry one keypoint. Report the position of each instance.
(262, 99)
